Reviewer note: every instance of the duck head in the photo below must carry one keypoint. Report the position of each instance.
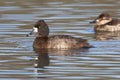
(102, 19)
(40, 29)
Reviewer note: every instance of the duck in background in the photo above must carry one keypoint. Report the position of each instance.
(104, 22)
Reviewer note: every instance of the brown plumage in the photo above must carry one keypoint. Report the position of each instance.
(55, 41)
(104, 22)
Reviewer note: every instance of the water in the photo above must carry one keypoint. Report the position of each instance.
(18, 61)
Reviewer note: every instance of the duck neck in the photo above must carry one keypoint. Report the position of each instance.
(40, 42)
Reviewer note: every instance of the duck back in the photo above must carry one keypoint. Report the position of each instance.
(60, 42)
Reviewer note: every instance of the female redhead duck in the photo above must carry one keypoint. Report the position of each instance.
(104, 22)
(43, 41)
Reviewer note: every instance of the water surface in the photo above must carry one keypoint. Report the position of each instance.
(18, 61)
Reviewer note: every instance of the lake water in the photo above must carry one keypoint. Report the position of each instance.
(18, 61)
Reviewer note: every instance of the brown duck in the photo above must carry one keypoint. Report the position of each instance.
(43, 41)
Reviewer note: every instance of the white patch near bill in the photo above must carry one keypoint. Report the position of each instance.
(97, 20)
(35, 29)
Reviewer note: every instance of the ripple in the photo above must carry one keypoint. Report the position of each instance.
(18, 60)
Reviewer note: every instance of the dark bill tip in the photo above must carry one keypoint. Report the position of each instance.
(27, 35)
(90, 46)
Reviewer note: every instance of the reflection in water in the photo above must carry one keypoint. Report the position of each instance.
(64, 17)
(43, 55)
(42, 59)
(107, 35)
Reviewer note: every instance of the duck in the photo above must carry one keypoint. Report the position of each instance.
(45, 41)
(104, 22)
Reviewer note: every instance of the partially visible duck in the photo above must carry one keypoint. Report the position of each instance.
(104, 22)
(55, 41)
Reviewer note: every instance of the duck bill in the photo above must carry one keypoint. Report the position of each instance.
(93, 22)
(33, 32)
